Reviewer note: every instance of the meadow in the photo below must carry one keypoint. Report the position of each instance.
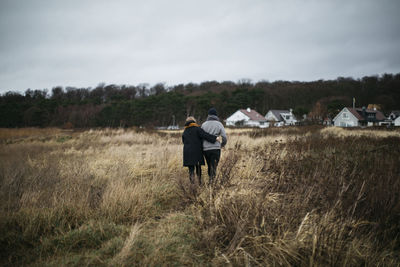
(297, 196)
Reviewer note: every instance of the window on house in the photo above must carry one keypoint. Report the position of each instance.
(371, 115)
(345, 115)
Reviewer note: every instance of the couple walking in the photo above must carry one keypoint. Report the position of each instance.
(204, 140)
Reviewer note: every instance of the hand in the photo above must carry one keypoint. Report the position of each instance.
(219, 139)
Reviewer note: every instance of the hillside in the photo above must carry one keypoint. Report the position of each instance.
(159, 105)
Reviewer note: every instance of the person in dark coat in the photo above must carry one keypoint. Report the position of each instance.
(192, 139)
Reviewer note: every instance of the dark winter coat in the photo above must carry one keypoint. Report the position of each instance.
(192, 139)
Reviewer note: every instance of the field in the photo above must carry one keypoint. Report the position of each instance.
(306, 196)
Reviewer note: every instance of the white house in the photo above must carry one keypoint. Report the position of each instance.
(281, 117)
(396, 122)
(390, 119)
(247, 117)
(353, 117)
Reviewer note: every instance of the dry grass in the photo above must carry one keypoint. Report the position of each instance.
(341, 132)
(289, 196)
(25, 132)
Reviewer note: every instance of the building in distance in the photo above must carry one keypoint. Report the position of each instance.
(278, 117)
(247, 118)
(355, 117)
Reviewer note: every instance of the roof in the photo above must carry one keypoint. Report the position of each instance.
(361, 116)
(253, 115)
(277, 113)
(396, 113)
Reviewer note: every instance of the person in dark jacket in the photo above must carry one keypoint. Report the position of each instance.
(192, 139)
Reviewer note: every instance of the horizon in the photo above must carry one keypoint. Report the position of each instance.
(169, 86)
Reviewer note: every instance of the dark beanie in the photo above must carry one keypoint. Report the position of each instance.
(212, 111)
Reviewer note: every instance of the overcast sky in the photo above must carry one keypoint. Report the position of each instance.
(45, 43)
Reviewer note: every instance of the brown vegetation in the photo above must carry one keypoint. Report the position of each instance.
(289, 196)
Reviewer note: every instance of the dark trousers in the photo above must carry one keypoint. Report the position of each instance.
(212, 158)
(198, 172)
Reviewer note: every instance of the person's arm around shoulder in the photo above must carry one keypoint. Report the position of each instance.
(206, 136)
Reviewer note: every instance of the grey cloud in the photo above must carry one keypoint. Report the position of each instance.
(81, 43)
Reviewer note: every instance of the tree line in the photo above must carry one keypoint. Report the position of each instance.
(160, 105)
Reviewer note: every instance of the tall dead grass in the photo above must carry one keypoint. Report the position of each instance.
(326, 201)
(291, 196)
(342, 132)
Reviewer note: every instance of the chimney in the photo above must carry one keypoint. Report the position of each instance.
(248, 109)
(354, 102)
(364, 112)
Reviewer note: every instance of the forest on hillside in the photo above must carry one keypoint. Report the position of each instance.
(160, 105)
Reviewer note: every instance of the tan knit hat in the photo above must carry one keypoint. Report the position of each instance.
(190, 118)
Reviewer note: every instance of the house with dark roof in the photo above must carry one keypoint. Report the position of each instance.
(247, 118)
(391, 119)
(394, 115)
(280, 117)
(354, 117)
